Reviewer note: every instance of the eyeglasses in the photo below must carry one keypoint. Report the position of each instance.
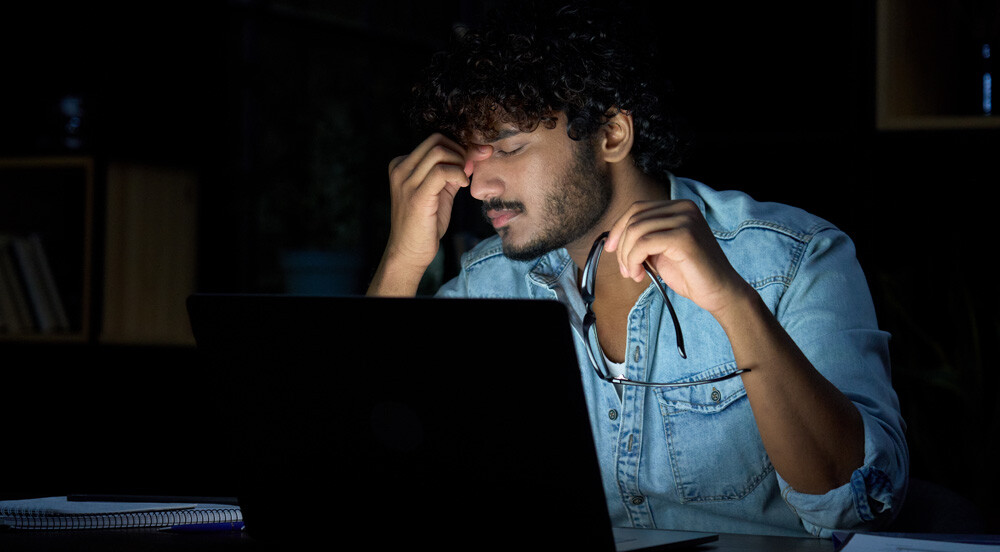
(587, 282)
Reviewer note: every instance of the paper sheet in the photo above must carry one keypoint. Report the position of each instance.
(863, 542)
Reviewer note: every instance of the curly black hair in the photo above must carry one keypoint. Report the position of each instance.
(531, 62)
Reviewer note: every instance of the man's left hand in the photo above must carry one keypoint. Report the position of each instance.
(674, 238)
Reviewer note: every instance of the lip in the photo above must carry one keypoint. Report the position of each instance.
(501, 217)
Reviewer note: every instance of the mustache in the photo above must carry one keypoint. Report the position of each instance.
(496, 204)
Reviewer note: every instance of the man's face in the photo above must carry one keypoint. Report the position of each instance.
(541, 190)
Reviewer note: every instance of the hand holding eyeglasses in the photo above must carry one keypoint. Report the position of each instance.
(674, 238)
(650, 238)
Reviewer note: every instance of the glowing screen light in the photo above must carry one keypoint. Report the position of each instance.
(987, 83)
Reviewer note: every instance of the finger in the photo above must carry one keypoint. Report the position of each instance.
(649, 232)
(435, 140)
(657, 243)
(672, 234)
(624, 232)
(643, 211)
(442, 175)
(395, 162)
(436, 164)
(475, 153)
(618, 228)
(409, 163)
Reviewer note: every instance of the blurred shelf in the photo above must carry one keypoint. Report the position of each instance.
(57, 285)
(931, 57)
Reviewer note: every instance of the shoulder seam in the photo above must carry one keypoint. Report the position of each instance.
(803, 236)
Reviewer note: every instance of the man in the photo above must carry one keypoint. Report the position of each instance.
(788, 422)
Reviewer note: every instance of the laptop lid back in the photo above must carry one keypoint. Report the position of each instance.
(407, 421)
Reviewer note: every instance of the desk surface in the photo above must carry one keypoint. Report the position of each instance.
(150, 539)
(752, 543)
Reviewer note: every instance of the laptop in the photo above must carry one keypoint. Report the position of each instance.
(419, 421)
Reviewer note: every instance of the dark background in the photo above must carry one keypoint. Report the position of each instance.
(274, 102)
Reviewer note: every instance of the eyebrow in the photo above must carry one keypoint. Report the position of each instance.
(504, 134)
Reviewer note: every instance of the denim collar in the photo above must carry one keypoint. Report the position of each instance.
(550, 268)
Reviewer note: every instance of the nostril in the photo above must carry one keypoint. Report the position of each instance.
(483, 187)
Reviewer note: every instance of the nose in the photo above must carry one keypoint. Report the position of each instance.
(485, 183)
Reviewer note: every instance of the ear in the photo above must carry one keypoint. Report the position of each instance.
(616, 138)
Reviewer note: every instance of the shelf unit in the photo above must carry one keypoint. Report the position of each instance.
(929, 64)
(51, 199)
(130, 287)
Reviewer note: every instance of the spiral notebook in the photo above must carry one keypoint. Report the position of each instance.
(58, 512)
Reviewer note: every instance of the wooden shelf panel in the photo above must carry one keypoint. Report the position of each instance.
(150, 254)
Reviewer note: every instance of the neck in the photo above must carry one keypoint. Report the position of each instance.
(612, 292)
(628, 188)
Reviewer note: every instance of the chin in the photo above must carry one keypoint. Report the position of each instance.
(526, 251)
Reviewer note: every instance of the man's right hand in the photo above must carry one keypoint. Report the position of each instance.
(422, 188)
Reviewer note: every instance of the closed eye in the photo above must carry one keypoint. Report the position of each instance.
(502, 153)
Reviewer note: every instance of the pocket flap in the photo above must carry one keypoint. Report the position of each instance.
(705, 397)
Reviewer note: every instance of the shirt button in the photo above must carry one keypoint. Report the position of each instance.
(638, 500)
(635, 356)
(716, 396)
(612, 414)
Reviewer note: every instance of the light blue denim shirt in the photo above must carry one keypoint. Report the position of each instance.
(692, 458)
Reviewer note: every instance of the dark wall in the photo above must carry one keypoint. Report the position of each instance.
(782, 106)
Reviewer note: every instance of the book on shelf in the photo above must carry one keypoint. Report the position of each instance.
(29, 298)
(59, 512)
(15, 315)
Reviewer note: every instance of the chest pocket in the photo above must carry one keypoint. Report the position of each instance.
(715, 448)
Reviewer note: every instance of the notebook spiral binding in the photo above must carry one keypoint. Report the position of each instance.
(33, 520)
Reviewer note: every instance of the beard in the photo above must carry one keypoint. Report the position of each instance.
(572, 207)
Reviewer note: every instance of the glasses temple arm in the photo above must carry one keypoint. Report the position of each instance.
(655, 277)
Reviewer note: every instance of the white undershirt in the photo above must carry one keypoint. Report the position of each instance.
(615, 369)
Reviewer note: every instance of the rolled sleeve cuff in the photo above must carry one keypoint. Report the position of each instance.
(868, 501)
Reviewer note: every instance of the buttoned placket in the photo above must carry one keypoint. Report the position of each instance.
(630, 430)
(629, 416)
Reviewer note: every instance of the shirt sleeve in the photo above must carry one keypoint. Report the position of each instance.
(453, 288)
(828, 311)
